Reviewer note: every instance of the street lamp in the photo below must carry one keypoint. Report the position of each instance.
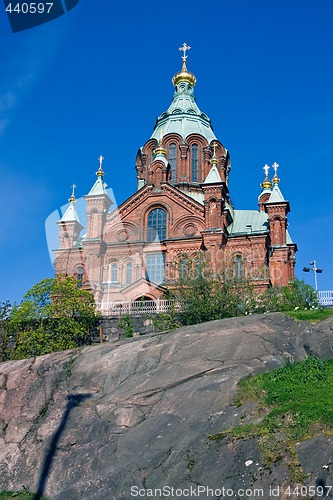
(315, 269)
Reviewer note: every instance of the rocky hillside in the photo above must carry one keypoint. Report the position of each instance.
(109, 421)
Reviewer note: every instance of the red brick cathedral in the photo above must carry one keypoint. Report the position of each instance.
(180, 220)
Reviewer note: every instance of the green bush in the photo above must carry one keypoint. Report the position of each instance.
(286, 298)
(5, 338)
(204, 299)
(127, 325)
(54, 315)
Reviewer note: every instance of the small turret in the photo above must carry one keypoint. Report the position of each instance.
(266, 187)
(98, 205)
(69, 224)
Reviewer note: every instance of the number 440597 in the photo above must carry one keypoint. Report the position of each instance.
(30, 8)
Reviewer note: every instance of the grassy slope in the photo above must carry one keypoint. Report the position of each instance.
(294, 402)
(312, 315)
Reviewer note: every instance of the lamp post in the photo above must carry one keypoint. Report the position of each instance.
(315, 269)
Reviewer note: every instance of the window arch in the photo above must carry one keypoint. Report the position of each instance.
(197, 267)
(155, 267)
(182, 269)
(79, 276)
(129, 273)
(156, 225)
(238, 267)
(194, 163)
(173, 160)
(114, 272)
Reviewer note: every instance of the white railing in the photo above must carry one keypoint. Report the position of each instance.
(325, 297)
(120, 308)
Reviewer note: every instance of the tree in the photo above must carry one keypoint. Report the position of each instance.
(54, 315)
(205, 298)
(298, 295)
(5, 308)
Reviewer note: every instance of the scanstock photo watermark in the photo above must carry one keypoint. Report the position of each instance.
(224, 492)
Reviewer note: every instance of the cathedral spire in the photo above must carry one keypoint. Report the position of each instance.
(99, 187)
(184, 75)
(100, 172)
(71, 214)
(183, 116)
(72, 199)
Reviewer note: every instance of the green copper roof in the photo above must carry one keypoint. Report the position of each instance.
(248, 222)
(213, 176)
(276, 195)
(183, 117)
(70, 215)
(98, 188)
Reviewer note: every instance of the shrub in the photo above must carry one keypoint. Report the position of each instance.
(297, 295)
(54, 315)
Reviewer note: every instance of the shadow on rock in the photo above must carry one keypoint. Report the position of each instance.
(73, 400)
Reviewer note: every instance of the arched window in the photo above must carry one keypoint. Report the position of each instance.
(194, 163)
(155, 268)
(238, 267)
(156, 225)
(129, 273)
(173, 160)
(197, 268)
(182, 269)
(79, 276)
(114, 272)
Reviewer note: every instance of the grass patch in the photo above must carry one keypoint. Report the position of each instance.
(312, 315)
(18, 495)
(294, 403)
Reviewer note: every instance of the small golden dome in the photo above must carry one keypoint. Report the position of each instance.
(72, 199)
(266, 184)
(100, 172)
(184, 76)
(160, 150)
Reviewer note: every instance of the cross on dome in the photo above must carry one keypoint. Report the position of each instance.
(267, 183)
(72, 199)
(276, 179)
(184, 48)
(266, 170)
(100, 172)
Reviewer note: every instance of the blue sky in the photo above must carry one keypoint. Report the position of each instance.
(93, 82)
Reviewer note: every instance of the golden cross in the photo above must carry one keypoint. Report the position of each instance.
(184, 48)
(214, 148)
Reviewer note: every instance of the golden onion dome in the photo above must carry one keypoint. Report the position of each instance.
(266, 184)
(72, 199)
(184, 76)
